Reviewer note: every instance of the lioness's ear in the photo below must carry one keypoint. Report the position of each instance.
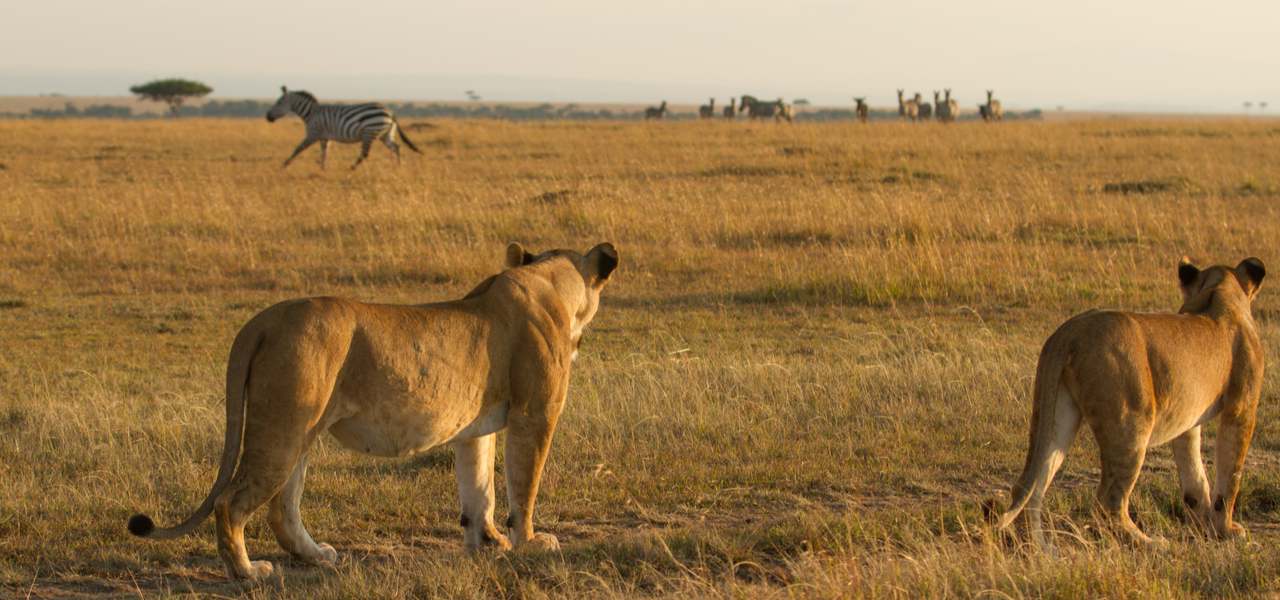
(602, 260)
(1187, 272)
(1250, 272)
(517, 257)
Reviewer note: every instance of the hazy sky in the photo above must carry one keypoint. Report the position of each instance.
(1174, 54)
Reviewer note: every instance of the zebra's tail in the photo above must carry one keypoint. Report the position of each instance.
(404, 138)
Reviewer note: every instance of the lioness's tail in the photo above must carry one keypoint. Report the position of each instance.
(404, 138)
(242, 352)
(1043, 428)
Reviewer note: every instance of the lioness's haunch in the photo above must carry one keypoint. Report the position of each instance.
(1143, 379)
(395, 380)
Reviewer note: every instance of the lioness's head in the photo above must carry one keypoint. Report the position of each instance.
(595, 267)
(1201, 287)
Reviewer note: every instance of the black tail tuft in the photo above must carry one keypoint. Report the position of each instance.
(405, 139)
(141, 525)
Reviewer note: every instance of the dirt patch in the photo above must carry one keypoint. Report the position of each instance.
(906, 176)
(1147, 186)
(553, 197)
(795, 151)
(786, 238)
(746, 171)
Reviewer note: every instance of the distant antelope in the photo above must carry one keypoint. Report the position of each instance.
(924, 109)
(993, 110)
(731, 111)
(343, 123)
(907, 109)
(861, 110)
(657, 112)
(706, 111)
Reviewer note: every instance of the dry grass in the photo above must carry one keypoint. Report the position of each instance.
(812, 368)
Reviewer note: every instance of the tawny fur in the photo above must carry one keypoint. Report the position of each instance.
(1144, 379)
(394, 380)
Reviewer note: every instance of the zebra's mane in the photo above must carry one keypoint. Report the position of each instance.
(306, 95)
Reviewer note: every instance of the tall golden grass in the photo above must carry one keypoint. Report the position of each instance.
(811, 370)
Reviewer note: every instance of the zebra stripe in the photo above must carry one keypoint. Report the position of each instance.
(343, 123)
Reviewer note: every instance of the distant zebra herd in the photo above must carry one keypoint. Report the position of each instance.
(370, 122)
(750, 106)
(944, 108)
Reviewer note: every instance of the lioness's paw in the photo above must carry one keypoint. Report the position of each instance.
(1236, 531)
(328, 556)
(491, 540)
(498, 541)
(260, 569)
(543, 541)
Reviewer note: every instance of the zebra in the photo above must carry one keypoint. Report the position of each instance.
(907, 109)
(953, 106)
(941, 107)
(756, 108)
(732, 110)
(861, 109)
(924, 109)
(706, 111)
(993, 111)
(343, 123)
(785, 111)
(656, 113)
(763, 109)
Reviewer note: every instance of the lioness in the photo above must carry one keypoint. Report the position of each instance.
(1142, 379)
(395, 380)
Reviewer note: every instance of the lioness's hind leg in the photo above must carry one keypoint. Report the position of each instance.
(278, 430)
(232, 510)
(473, 465)
(285, 516)
(1121, 464)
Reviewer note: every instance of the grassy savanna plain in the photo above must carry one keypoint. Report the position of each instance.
(812, 368)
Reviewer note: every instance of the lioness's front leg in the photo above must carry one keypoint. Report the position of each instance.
(473, 465)
(1191, 475)
(1234, 435)
(529, 432)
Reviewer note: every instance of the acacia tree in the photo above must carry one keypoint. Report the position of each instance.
(171, 91)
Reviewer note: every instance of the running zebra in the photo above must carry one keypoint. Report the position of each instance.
(343, 123)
